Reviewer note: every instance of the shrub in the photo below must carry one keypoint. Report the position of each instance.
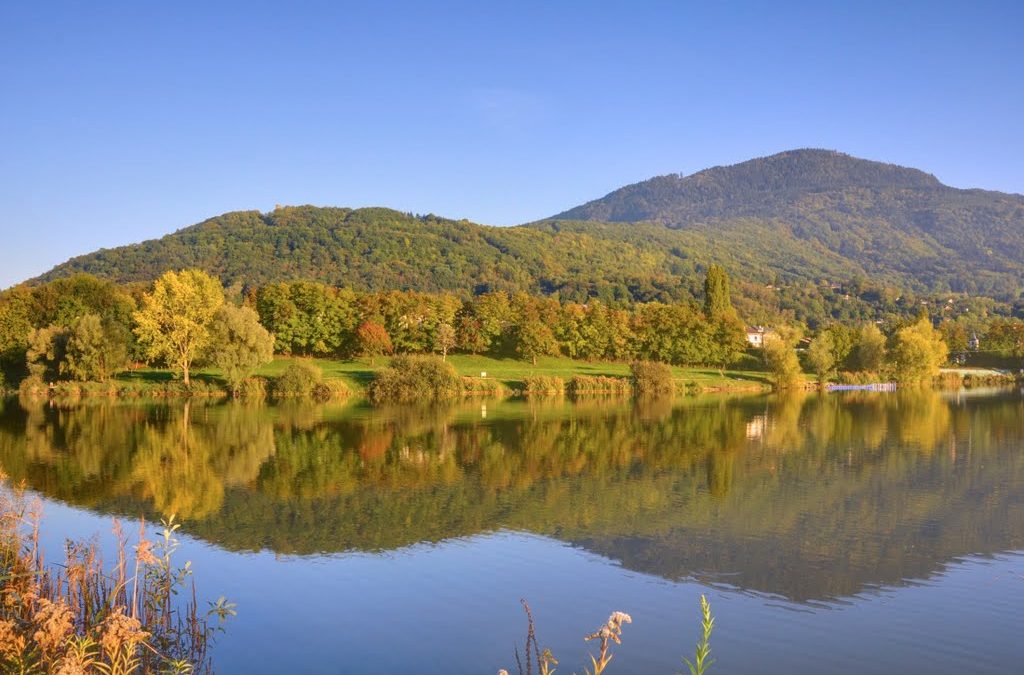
(952, 380)
(651, 378)
(33, 387)
(599, 384)
(252, 388)
(688, 387)
(66, 390)
(297, 381)
(107, 388)
(483, 386)
(331, 389)
(413, 379)
(543, 385)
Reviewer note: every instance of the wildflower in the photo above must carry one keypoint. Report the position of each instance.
(119, 631)
(144, 552)
(78, 659)
(612, 629)
(12, 643)
(609, 632)
(54, 622)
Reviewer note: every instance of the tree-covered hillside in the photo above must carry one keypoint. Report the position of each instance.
(381, 249)
(811, 212)
(807, 216)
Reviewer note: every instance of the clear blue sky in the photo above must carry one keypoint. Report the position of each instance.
(124, 121)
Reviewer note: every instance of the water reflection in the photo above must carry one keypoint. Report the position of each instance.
(804, 496)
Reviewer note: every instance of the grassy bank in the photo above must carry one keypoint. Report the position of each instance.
(513, 373)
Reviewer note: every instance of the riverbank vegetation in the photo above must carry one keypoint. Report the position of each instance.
(79, 618)
(415, 379)
(651, 379)
(89, 336)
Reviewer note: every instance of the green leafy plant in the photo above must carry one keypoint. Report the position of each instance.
(701, 656)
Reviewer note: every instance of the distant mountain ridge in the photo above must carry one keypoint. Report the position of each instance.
(801, 215)
(887, 220)
(675, 199)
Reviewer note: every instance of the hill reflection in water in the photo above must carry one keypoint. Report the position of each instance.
(807, 497)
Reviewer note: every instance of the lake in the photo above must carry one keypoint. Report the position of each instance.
(832, 533)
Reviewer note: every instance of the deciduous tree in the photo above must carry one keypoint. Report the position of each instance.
(175, 319)
(781, 360)
(821, 356)
(444, 339)
(372, 340)
(869, 351)
(240, 344)
(95, 350)
(918, 352)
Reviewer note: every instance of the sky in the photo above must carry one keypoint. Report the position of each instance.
(121, 122)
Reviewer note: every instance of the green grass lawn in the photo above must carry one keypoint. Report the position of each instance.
(357, 374)
(511, 372)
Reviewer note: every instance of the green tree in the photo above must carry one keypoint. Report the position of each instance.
(821, 356)
(918, 352)
(869, 351)
(175, 319)
(16, 322)
(678, 334)
(729, 338)
(372, 340)
(534, 338)
(94, 351)
(717, 300)
(45, 353)
(240, 344)
(781, 360)
(1005, 335)
(954, 334)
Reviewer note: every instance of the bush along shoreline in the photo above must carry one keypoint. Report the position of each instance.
(298, 381)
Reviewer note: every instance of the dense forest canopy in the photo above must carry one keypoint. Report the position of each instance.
(797, 220)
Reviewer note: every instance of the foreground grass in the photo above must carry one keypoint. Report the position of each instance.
(80, 618)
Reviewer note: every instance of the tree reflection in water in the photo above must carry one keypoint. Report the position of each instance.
(806, 496)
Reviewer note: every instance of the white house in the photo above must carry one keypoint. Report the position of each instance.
(755, 336)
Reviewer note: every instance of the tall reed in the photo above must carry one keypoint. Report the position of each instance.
(78, 618)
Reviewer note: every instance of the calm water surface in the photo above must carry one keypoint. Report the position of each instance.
(868, 533)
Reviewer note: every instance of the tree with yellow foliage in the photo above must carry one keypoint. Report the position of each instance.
(176, 316)
(918, 352)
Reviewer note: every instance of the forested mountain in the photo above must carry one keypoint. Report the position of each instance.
(382, 249)
(823, 212)
(806, 216)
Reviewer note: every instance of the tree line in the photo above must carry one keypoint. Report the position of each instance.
(84, 328)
